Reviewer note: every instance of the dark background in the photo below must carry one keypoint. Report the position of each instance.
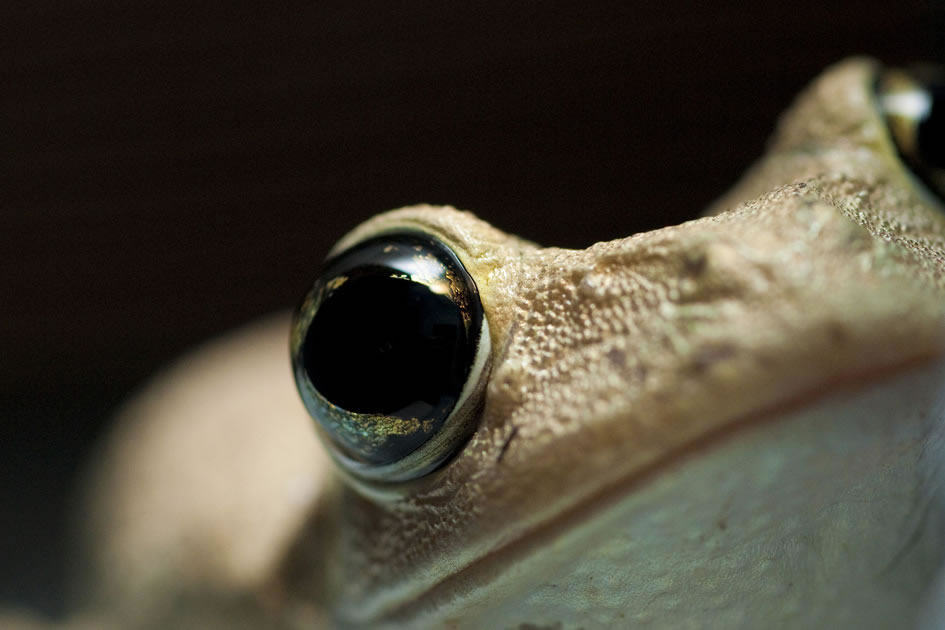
(169, 171)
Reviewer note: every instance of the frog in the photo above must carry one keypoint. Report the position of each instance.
(733, 422)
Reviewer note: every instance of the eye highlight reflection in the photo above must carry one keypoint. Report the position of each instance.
(913, 104)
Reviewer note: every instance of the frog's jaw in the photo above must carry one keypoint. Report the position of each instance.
(829, 514)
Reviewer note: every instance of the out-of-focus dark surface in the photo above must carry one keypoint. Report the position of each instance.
(169, 171)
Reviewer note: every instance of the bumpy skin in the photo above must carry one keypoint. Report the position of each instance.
(824, 267)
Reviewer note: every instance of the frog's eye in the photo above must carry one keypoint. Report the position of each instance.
(914, 107)
(390, 350)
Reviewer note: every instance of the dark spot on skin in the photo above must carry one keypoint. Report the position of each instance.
(633, 370)
(838, 334)
(617, 357)
(505, 445)
(694, 262)
(707, 356)
(722, 524)
(766, 359)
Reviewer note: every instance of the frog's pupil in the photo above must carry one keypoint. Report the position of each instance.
(387, 345)
(931, 130)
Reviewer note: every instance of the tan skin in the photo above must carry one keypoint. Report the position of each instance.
(732, 422)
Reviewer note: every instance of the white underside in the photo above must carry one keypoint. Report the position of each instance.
(828, 516)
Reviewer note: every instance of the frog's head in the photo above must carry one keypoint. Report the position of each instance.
(736, 417)
(736, 422)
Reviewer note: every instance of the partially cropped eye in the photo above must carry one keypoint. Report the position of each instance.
(389, 350)
(914, 107)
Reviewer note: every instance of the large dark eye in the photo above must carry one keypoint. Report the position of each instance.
(914, 106)
(389, 350)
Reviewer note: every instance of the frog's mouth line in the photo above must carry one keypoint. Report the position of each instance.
(484, 569)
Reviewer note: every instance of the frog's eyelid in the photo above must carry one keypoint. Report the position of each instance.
(915, 104)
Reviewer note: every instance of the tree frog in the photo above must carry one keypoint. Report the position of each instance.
(736, 422)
